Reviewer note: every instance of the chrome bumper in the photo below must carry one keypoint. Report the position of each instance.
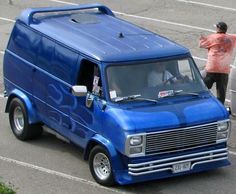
(167, 164)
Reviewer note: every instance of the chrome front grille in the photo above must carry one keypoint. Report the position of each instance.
(181, 139)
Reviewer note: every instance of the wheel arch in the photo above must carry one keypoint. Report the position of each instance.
(97, 139)
(32, 115)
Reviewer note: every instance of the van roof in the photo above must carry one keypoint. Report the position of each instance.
(99, 34)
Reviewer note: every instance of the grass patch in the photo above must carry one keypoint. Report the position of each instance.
(6, 189)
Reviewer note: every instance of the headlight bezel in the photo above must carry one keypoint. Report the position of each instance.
(223, 131)
(135, 142)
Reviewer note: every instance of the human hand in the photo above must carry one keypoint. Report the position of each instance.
(202, 37)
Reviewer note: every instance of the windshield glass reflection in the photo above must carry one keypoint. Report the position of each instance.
(154, 80)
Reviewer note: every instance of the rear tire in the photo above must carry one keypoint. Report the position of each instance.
(20, 126)
(100, 166)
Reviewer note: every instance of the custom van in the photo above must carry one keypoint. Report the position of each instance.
(133, 100)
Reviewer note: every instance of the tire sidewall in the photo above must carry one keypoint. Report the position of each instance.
(13, 105)
(109, 181)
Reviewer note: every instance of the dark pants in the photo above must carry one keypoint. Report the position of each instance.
(221, 80)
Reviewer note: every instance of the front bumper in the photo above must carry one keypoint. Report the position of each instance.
(168, 163)
(145, 169)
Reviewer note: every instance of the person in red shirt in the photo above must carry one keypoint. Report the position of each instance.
(220, 48)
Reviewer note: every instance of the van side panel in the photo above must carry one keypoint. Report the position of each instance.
(14, 70)
(19, 59)
(59, 100)
(24, 42)
(40, 76)
(20, 56)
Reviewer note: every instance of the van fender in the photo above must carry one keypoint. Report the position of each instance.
(115, 158)
(32, 116)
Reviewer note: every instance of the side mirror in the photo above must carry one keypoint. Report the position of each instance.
(79, 90)
(229, 110)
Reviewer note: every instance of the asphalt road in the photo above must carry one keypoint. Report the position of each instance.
(49, 165)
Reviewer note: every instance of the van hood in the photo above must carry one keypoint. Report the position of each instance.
(166, 116)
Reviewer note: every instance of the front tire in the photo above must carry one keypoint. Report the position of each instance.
(18, 118)
(100, 166)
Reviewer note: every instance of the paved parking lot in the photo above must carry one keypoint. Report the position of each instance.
(49, 165)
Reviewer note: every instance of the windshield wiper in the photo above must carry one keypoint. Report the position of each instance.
(147, 99)
(172, 93)
(134, 97)
(181, 92)
(124, 98)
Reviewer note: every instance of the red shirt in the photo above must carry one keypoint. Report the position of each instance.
(220, 50)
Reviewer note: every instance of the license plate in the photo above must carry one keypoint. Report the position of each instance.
(181, 167)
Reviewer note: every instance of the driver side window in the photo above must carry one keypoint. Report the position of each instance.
(90, 76)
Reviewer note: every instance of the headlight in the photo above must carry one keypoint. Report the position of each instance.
(223, 126)
(223, 131)
(135, 140)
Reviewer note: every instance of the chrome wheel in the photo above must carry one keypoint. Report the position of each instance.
(18, 119)
(101, 165)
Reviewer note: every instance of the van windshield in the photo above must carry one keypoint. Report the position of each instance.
(154, 80)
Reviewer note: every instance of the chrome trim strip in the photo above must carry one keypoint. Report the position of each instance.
(192, 127)
(203, 162)
(153, 171)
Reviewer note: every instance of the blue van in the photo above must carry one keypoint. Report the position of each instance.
(133, 100)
